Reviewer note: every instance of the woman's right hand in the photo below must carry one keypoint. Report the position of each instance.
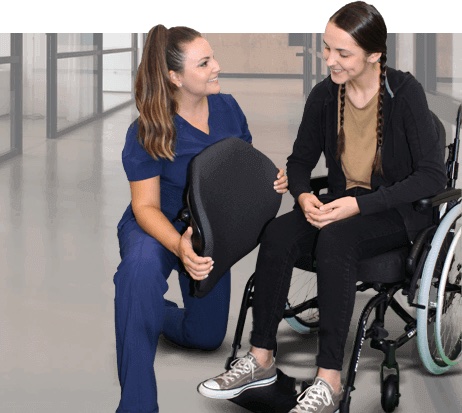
(197, 267)
(310, 205)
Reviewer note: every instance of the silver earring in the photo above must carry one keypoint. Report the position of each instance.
(181, 84)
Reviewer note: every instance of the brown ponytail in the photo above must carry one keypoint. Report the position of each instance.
(154, 92)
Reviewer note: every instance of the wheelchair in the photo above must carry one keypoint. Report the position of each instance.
(428, 273)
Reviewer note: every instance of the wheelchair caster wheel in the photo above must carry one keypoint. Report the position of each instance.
(390, 393)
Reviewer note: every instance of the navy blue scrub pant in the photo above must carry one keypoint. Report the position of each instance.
(142, 314)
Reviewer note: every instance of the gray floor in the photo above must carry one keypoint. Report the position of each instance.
(60, 202)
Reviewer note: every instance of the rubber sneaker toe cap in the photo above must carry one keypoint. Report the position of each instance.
(211, 384)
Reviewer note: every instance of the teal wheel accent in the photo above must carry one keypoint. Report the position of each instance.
(429, 290)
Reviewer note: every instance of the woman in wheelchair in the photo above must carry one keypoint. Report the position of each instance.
(181, 113)
(374, 127)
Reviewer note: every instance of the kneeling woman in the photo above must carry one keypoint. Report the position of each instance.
(181, 112)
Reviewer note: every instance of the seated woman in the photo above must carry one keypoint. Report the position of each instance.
(374, 127)
(181, 113)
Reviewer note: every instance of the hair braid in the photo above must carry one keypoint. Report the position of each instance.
(341, 131)
(377, 164)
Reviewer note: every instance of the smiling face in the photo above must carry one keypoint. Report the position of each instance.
(346, 60)
(200, 73)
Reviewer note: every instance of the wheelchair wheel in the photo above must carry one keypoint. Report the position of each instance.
(302, 312)
(390, 393)
(448, 324)
(439, 323)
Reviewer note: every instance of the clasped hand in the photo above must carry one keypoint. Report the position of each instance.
(319, 215)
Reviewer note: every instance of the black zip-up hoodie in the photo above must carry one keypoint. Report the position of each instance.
(412, 153)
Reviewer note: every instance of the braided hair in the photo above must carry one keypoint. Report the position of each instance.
(367, 27)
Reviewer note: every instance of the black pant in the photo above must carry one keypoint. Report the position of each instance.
(338, 247)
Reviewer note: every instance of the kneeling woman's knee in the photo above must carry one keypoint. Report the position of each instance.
(208, 340)
(207, 333)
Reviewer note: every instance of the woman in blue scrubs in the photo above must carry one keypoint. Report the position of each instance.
(181, 112)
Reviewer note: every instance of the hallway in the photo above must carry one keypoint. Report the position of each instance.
(60, 203)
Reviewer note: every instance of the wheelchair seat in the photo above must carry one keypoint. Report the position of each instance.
(386, 268)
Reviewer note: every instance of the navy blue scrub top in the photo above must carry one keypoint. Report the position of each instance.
(226, 119)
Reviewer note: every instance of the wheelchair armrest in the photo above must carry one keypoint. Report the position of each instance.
(318, 183)
(450, 194)
(418, 245)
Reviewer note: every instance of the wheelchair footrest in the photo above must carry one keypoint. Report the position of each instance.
(279, 397)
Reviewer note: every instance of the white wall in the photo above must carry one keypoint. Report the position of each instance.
(405, 52)
(457, 65)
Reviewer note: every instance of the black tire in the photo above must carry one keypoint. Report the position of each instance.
(390, 393)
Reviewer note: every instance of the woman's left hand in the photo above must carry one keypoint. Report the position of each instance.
(282, 182)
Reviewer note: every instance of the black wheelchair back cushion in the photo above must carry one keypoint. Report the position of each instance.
(230, 200)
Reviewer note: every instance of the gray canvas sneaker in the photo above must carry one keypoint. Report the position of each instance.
(319, 398)
(245, 373)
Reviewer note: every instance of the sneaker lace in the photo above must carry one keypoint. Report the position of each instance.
(239, 366)
(313, 397)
